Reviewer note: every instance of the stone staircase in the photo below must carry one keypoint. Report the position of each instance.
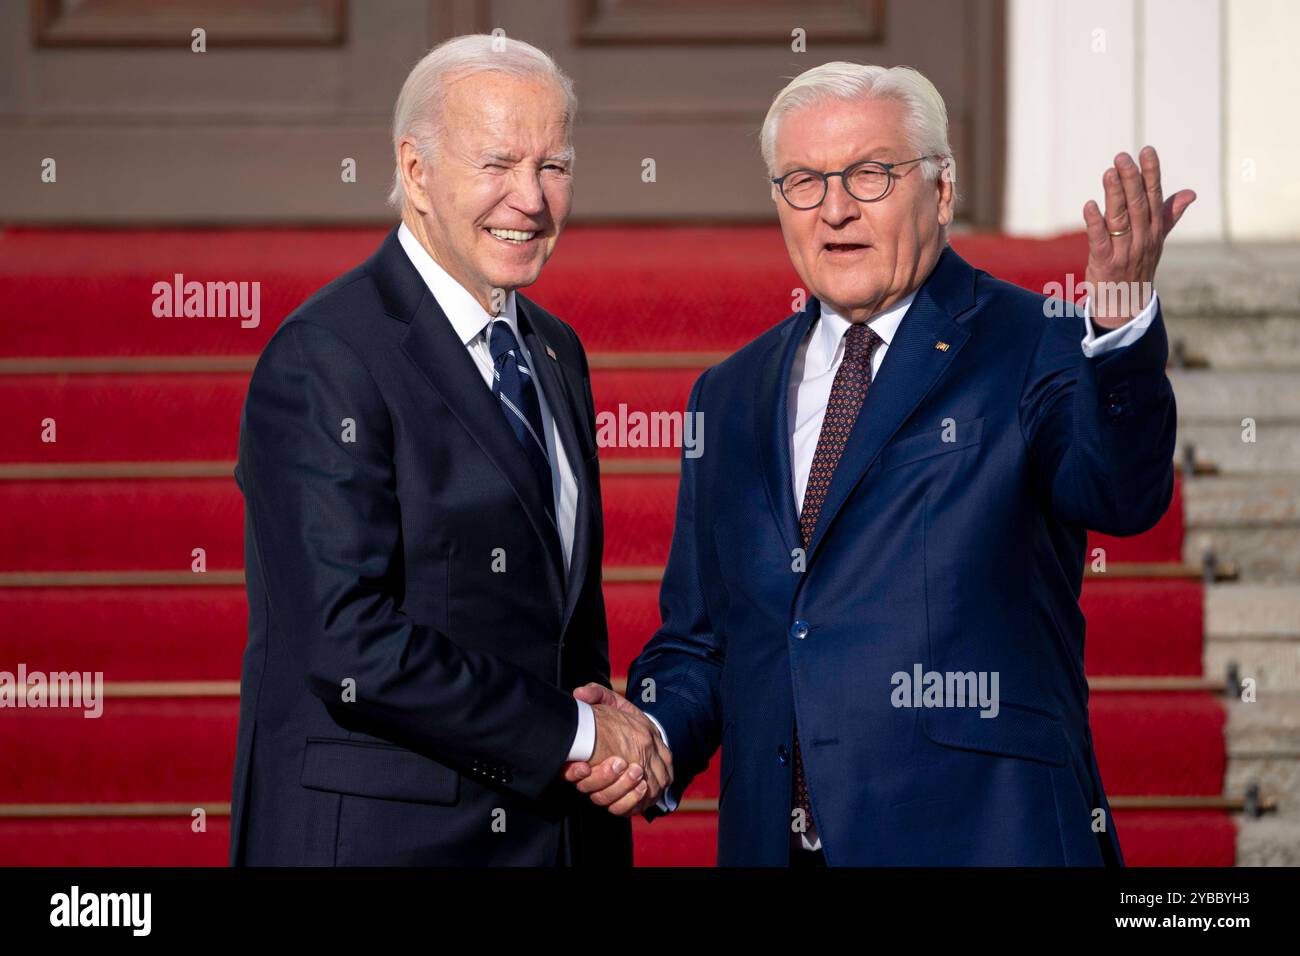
(1234, 320)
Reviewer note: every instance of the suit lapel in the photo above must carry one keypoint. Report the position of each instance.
(922, 351)
(772, 422)
(442, 359)
(561, 385)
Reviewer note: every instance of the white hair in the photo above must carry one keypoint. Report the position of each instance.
(925, 120)
(418, 112)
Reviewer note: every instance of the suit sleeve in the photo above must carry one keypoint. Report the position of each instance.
(682, 663)
(1101, 430)
(328, 540)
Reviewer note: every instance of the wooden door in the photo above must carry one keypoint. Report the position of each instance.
(259, 128)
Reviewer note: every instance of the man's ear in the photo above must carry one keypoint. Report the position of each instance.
(413, 168)
(946, 185)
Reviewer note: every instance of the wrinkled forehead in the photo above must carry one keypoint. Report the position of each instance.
(830, 133)
(485, 109)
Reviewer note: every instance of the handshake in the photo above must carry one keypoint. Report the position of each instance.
(631, 767)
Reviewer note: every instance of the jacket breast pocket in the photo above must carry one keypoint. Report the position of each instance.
(1015, 731)
(941, 439)
(375, 770)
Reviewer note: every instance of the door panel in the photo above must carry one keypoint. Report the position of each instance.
(257, 128)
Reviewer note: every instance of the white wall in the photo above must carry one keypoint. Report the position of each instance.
(1262, 182)
(1209, 83)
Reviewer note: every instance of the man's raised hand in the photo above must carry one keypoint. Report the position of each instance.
(1125, 243)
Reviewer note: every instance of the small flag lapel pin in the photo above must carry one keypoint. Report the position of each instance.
(941, 346)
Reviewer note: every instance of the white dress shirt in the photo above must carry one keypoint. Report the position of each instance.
(471, 322)
(809, 391)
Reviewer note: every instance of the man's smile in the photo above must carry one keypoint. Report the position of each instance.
(514, 237)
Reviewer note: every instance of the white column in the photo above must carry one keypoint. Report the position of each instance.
(1181, 105)
(1086, 81)
(1263, 137)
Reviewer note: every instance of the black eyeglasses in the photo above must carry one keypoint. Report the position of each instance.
(866, 181)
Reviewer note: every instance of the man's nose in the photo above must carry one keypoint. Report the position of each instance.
(526, 193)
(838, 206)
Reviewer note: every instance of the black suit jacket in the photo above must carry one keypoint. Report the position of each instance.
(404, 700)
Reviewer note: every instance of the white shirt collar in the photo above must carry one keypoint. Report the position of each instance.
(828, 334)
(467, 317)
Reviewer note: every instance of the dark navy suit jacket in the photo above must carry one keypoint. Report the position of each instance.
(371, 567)
(962, 555)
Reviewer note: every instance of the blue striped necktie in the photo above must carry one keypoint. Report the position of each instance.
(516, 390)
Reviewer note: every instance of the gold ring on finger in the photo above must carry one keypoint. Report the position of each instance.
(1122, 232)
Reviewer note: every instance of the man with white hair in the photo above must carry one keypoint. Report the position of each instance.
(871, 601)
(417, 455)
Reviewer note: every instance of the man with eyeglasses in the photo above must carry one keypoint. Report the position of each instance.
(871, 602)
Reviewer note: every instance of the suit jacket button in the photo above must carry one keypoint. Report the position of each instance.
(783, 754)
(799, 631)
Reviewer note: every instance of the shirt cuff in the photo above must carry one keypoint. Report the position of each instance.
(666, 802)
(584, 741)
(1126, 334)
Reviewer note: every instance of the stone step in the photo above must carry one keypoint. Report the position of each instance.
(1275, 450)
(1272, 840)
(1241, 501)
(1263, 747)
(1268, 727)
(1256, 554)
(1273, 666)
(1228, 395)
(1238, 342)
(1254, 628)
(1262, 738)
(1215, 278)
(1240, 611)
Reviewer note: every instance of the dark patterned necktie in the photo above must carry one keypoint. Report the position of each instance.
(848, 391)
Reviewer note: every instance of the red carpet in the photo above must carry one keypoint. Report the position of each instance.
(129, 633)
(115, 841)
(87, 294)
(197, 633)
(154, 523)
(651, 295)
(179, 750)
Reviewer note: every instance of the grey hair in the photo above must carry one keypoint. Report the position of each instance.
(418, 112)
(926, 117)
